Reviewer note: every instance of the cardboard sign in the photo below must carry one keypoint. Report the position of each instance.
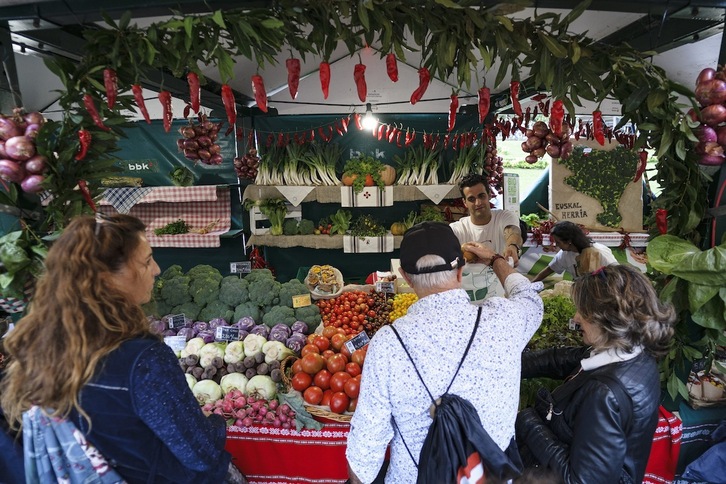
(226, 333)
(177, 321)
(240, 267)
(357, 342)
(301, 300)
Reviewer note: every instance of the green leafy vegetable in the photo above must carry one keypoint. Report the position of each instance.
(173, 228)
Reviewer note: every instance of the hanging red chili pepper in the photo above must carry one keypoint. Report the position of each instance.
(359, 75)
(546, 110)
(642, 163)
(484, 103)
(598, 127)
(453, 107)
(455, 142)
(446, 141)
(409, 138)
(514, 93)
(326, 133)
(165, 98)
(556, 117)
(281, 140)
(91, 109)
(661, 220)
(339, 128)
(138, 92)
(230, 106)
(381, 131)
(344, 124)
(392, 133)
(424, 77)
(293, 75)
(358, 122)
(258, 88)
(392, 67)
(400, 138)
(527, 116)
(84, 138)
(195, 91)
(110, 82)
(86, 193)
(325, 78)
(187, 110)
(251, 139)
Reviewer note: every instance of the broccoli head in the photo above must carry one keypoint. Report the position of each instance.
(291, 288)
(176, 291)
(264, 292)
(310, 315)
(259, 274)
(279, 314)
(216, 309)
(234, 291)
(247, 309)
(204, 290)
(204, 271)
(306, 227)
(289, 227)
(189, 310)
(172, 272)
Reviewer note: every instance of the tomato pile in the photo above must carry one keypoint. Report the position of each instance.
(328, 374)
(356, 311)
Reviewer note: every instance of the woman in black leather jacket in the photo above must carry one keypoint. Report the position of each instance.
(598, 426)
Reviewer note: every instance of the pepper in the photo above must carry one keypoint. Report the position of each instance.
(110, 82)
(359, 75)
(392, 133)
(358, 122)
(381, 132)
(424, 77)
(453, 107)
(400, 138)
(258, 88)
(446, 141)
(557, 115)
(339, 127)
(392, 67)
(643, 155)
(86, 193)
(281, 140)
(326, 133)
(410, 136)
(325, 78)
(229, 104)
(514, 92)
(165, 98)
(293, 75)
(484, 103)
(195, 91)
(138, 92)
(344, 124)
(546, 110)
(598, 127)
(661, 220)
(84, 138)
(187, 110)
(91, 109)
(527, 116)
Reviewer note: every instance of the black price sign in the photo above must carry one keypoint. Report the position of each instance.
(386, 287)
(240, 267)
(357, 342)
(177, 321)
(226, 333)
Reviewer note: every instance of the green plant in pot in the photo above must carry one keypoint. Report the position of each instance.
(362, 171)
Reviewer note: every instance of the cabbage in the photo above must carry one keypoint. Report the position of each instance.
(208, 352)
(262, 386)
(275, 351)
(245, 324)
(191, 381)
(299, 327)
(261, 329)
(207, 391)
(235, 352)
(279, 332)
(192, 348)
(253, 344)
(295, 342)
(234, 381)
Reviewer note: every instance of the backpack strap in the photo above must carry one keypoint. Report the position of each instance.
(466, 351)
(624, 401)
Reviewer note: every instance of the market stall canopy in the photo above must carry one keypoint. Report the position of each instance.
(685, 37)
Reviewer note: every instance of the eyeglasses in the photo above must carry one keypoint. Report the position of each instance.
(573, 325)
(101, 218)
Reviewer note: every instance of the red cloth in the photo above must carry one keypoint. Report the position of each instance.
(281, 456)
(665, 449)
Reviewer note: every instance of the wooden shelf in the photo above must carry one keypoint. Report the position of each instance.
(331, 194)
(309, 241)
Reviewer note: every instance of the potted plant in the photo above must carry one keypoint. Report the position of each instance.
(365, 171)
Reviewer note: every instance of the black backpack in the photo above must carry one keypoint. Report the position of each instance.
(457, 448)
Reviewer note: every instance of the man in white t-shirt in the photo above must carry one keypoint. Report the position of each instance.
(497, 229)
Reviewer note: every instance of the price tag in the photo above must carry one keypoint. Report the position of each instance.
(387, 287)
(240, 267)
(301, 301)
(177, 321)
(226, 333)
(357, 342)
(176, 343)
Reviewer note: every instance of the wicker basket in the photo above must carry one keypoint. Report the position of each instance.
(286, 370)
(324, 289)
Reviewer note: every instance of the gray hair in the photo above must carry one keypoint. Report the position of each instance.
(432, 280)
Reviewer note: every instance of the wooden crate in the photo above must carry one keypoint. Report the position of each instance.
(260, 225)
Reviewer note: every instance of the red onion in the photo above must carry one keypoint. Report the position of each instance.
(525, 147)
(706, 75)
(540, 129)
(215, 160)
(32, 183)
(8, 128)
(566, 150)
(199, 131)
(215, 149)
(34, 118)
(191, 154)
(539, 152)
(11, 171)
(204, 154)
(553, 151)
(534, 142)
(31, 130)
(3, 155)
(706, 134)
(204, 141)
(712, 160)
(20, 148)
(721, 135)
(531, 159)
(180, 143)
(712, 115)
(36, 165)
(711, 92)
(191, 144)
(552, 138)
(692, 114)
(187, 132)
(709, 148)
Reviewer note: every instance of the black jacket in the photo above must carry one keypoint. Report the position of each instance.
(596, 441)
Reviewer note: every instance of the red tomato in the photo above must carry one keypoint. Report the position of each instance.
(353, 405)
(313, 395)
(309, 348)
(322, 379)
(353, 369)
(337, 381)
(328, 353)
(339, 402)
(358, 356)
(326, 397)
(311, 338)
(337, 340)
(312, 363)
(344, 349)
(352, 388)
(329, 331)
(322, 343)
(336, 363)
(297, 366)
(301, 381)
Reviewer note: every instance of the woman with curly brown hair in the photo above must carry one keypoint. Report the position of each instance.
(84, 353)
(598, 426)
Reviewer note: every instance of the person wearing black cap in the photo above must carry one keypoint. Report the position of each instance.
(436, 331)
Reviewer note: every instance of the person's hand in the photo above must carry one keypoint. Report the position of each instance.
(512, 251)
(481, 251)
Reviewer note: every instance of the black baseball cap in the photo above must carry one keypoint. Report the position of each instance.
(430, 238)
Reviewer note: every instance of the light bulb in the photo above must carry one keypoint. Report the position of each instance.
(369, 122)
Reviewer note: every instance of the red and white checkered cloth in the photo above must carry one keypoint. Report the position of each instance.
(197, 206)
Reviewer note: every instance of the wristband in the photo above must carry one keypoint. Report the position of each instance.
(519, 249)
(494, 258)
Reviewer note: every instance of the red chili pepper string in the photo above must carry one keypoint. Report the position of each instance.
(86, 193)
(453, 107)
(138, 93)
(400, 138)
(359, 76)
(661, 220)
(84, 138)
(557, 115)
(110, 82)
(514, 93)
(424, 77)
(230, 106)
(165, 99)
(325, 78)
(358, 121)
(195, 91)
(409, 138)
(258, 88)
(598, 127)
(484, 103)
(293, 75)
(392, 134)
(392, 67)
(93, 112)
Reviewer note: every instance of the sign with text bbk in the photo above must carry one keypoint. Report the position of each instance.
(139, 166)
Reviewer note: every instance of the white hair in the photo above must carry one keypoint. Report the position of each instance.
(432, 280)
